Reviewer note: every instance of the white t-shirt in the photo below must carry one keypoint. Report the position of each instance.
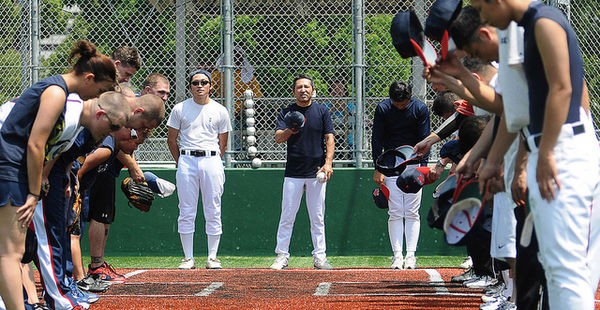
(199, 125)
(512, 77)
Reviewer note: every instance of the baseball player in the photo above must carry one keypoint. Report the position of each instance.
(22, 150)
(400, 120)
(561, 146)
(307, 128)
(100, 169)
(202, 126)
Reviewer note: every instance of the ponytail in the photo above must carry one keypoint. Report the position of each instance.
(85, 58)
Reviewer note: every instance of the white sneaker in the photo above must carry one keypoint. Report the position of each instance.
(410, 262)
(467, 263)
(397, 262)
(281, 262)
(322, 264)
(494, 304)
(481, 282)
(213, 263)
(187, 263)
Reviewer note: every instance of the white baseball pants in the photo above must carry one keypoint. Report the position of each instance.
(563, 225)
(290, 204)
(207, 176)
(404, 217)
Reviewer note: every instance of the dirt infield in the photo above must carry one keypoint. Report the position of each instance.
(290, 289)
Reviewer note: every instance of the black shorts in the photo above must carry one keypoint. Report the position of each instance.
(102, 199)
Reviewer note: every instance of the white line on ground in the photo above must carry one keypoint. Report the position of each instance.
(323, 289)
(133, 273)
(435, 279)
(411, 294)
(210, 289)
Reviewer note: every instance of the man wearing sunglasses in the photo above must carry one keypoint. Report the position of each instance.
(202, 126)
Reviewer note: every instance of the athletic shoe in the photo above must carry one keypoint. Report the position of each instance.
(106, 273)
(508, 306)
(92, 283)
(494, 289)
(480, 282)
(213, 263)
(410, 262)
(40, 306)
(281, 262)
(465, 276)
(397, 262)
(187, 263)
(81, 296)
(495, 304)
(322, 264)
(467, 263)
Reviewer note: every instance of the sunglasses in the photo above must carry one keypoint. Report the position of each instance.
(203, 83)
(111, 125)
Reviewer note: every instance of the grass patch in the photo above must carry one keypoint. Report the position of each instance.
(265, 261)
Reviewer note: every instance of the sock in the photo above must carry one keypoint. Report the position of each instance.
(396, 231)
(509, 283)
(187, 243)
(412, 229)
(213, 245)
(411, 253)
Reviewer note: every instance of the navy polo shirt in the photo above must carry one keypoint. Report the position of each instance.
(393, 127)
(306, 149)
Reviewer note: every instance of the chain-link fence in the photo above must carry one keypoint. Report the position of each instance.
(259, 45)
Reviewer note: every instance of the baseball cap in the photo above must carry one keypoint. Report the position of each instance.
(412, 180)
(441, 15)
(451, 149)
(406, 26)
(465, 211)
(161, 187)
(381, 195)
(199, 71)
(393, 161)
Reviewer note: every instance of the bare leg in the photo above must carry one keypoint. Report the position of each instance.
(12, 247)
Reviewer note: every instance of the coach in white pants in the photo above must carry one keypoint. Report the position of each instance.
(203, 127)
(310, 150)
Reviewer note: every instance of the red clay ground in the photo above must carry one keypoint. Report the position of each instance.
(290, 289)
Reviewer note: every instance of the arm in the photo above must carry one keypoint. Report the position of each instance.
(470, 161)
(172, 135)
(282, 135)
(377, 135)
(134, 169)
(329, 150)
(493, 165)
(468, 86)
(52, 103)
(552, 44)
(223, 142)
(93, 160)
(518, 187)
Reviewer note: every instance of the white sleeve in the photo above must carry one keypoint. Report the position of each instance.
(175, 117)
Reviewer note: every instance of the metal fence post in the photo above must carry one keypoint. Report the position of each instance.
(359, 74)
(180, 61)
(227, 15)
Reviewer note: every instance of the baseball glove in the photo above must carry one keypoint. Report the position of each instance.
(139, 195)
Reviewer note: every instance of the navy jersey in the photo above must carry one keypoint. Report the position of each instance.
(534, 68)
(16, 129)
(84, 144)
(111, 167)
(393, 127)
(306, 149)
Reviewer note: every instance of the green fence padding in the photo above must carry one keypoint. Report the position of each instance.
(251, 208)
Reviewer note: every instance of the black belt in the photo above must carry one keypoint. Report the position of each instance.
(577, 129)
(198, 153)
